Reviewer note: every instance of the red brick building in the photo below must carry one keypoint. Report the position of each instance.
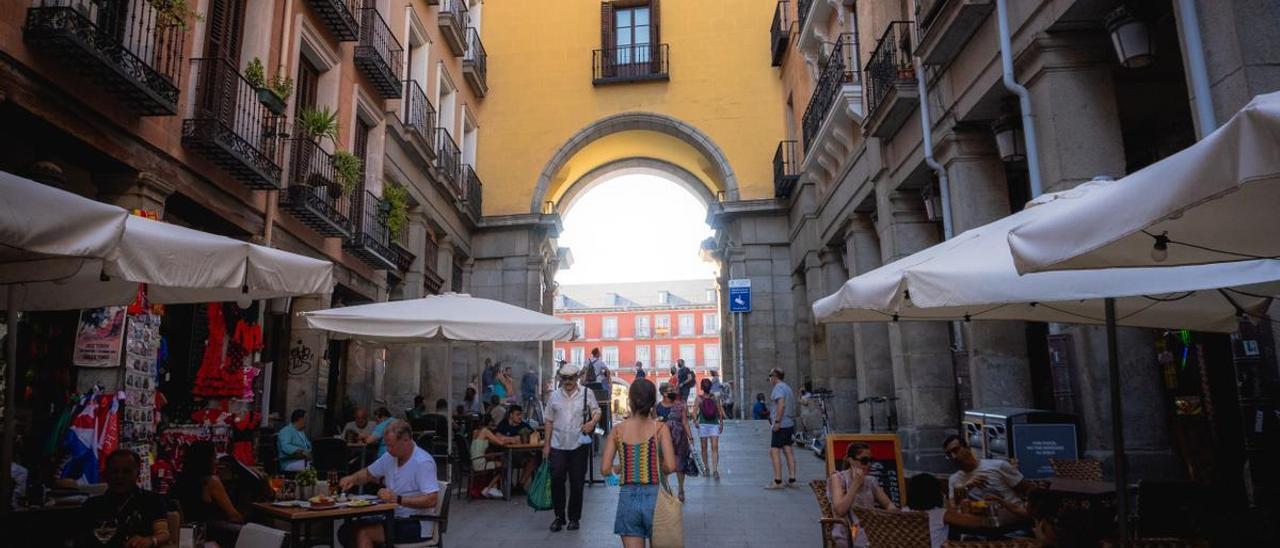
(654, 323)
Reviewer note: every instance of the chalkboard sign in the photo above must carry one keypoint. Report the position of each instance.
(886, 465)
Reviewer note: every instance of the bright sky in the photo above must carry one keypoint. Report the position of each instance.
(635, 228)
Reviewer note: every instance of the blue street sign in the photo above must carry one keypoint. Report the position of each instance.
(740, 295)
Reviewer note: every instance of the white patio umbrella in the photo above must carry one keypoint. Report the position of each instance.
(448, 317)
(972, 277)
(60, 251)
(1214, 201)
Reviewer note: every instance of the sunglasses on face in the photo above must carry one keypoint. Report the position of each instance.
(863, 460)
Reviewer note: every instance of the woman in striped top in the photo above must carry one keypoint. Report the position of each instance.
(636, 443)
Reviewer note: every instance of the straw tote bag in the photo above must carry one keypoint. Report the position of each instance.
(668, 517)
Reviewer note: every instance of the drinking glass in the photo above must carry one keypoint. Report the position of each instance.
(277, 484)
(104, 530)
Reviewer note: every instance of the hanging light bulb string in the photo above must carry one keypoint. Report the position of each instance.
(1160, 248)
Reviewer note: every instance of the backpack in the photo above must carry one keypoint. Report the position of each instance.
(591, 372)
(708, 409)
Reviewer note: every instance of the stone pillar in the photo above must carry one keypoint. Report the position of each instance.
(874, 366)
(999, 369)
(923, 371)
(841, 369)
(310, 345)
(814, 289)
(803, 330)
(142, 190)
(1069, 75)
(1240, 55)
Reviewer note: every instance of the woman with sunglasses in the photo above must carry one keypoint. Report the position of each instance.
(855, 486)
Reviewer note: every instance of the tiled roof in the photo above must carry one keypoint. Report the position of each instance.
(634, 295)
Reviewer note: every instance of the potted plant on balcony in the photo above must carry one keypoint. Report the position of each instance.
(349, 168)
(271, 96)
(313, 127)
(395, 201)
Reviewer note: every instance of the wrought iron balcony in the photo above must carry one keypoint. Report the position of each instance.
(432, 281)
(454, 20)
(231, 127)
(475, 63)
(378, 54)
(315, 194)
(802, 10)
(892, 93)
(371, 241)
(448, 160)
(779, 32)
(839, 70)
(400, 254)
(945, 26)
(472, 191)
(634, 63)
(419, 116)
(786, 169)
(340, 17)
(130, 49)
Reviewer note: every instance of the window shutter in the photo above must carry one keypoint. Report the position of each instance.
(607, 41)
(655, 36)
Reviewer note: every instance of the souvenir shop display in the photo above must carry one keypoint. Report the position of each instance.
(172, 446)
(138, 415)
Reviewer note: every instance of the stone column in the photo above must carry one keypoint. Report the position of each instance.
(841, 369)
(309, 347)
(923, 371)
(999, 369)
(870, 340)
(1069, 75)
(1239, 50)
(813, 290)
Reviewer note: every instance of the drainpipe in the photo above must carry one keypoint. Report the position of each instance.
(926, 144)
(1197, 70)
(1024, 98)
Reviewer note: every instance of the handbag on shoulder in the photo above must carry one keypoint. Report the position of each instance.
(668, 514)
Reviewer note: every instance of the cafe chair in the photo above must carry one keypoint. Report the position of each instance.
(1160, 543)
(827, 521)
(1083, 469)
(902, 529)
(1010, 543)
(253, 535)
(439, 520)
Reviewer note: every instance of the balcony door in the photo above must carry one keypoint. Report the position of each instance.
(224, 30)
(629, 37)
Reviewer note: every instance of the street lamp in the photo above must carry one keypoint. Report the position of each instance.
(1132, 38)
(1010, 142)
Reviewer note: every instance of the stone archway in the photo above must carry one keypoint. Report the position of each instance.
(633, 166)
(633, 121)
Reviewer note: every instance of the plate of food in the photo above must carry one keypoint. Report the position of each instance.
(359, 503)
(322, 501)
(290, 503)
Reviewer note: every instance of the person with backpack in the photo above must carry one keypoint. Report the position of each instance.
(597, 373)
(710, 424)
(686, 380)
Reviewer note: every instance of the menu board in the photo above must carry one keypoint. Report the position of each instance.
(886, 465)
(1035, 444)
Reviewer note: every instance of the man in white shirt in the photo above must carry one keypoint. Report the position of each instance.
(994, 480)
(572, 413)
(409, 476)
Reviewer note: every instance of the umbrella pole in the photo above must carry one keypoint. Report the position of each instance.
(448, 390)
(1117, 425)
(10, 398)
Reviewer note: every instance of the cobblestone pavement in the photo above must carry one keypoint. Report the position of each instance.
(736, 511)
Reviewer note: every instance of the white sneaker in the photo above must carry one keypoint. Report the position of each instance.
(492, 492)
(773, 485)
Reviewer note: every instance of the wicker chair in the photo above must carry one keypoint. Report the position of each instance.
(1161, 543)
(1084, 469)
(828, 520)
(894, 528)
(1012, 543)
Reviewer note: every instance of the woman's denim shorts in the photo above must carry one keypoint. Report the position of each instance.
(635, 511)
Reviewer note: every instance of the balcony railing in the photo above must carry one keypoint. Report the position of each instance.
(432, 281)
(802, 10)
(632, 63)
(475, 63)
(130, 48)
(448, 159)
(371, 241)
(400, 254)
(231, 127)
(839, 70)
(419, 115)
(315, 194)
(890, 63)
(472, 191)
(378, 54)
(340, 17)
(453, 21)
(779, 32)
(786, 169)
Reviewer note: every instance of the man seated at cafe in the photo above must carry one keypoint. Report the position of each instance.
(137, 517)
(409, 476)
(517, 428)
(292, 445)
(383, 418)
(993, 480)
(419, 409)
(359, 427)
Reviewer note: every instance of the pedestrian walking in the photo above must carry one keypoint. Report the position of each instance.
(640, 374)
(783, 427)
(637, 442)
(597, 371)
(488, 377)
(529, 394)
(726, 400)
(572, 413)
(710, 424)
(685, 378)
(671, 411)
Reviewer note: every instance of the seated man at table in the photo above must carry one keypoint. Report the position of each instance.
(515, 427)
(292, 445)
(383, 418)
(409, 475)
(419, 409)
(992, 480)
(127, 516)
(358, 428)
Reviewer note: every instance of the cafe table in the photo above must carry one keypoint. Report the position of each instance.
(511, 450)
(300, 518)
